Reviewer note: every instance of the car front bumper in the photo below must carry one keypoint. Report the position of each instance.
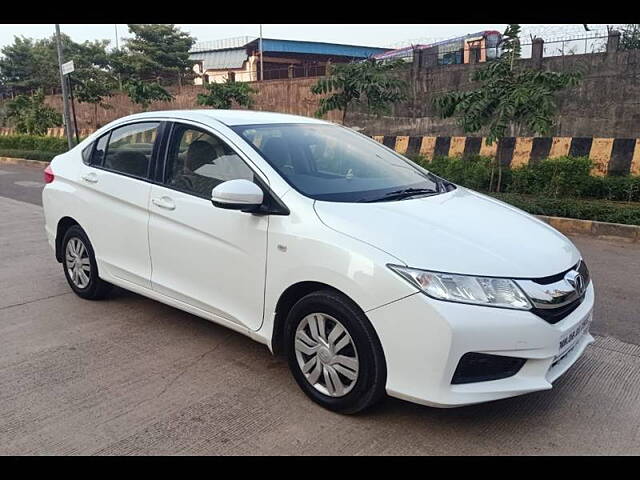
(423, 340)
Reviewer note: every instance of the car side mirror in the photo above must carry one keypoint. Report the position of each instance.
(237, 194)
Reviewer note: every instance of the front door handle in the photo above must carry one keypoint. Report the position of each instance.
(90, 177)
(164, 202)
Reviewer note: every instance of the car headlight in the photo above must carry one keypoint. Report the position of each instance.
(494, 292)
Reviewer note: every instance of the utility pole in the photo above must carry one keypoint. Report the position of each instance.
(65, 95)
(261, 64)
(117, 50)
(73, 108)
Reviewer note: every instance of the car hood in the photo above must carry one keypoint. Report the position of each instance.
(458, 232)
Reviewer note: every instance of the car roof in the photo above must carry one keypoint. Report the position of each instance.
(228, 117)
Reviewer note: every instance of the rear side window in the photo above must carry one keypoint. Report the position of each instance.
(130, 147)
(101, 147)
(86, 154)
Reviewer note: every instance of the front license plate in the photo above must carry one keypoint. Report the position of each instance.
(568, 341)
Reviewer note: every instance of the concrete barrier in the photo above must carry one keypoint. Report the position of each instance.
(610, 156)
(604, 230)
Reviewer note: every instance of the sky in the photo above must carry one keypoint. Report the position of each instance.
(375, 35)
(359, 34)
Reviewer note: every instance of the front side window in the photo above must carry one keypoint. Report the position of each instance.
(130, 148)
(328, 162)
(198, 161)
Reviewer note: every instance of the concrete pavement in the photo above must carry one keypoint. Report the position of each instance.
(129, 375)
(22, 182)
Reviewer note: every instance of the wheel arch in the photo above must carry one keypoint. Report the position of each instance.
(287, 299)
(63, 225)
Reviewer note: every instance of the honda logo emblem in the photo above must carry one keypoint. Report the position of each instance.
(576, 280)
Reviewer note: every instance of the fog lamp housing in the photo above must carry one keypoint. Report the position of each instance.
(481, 367)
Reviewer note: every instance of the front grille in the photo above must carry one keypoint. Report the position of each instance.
(545, 310)
(555, 315)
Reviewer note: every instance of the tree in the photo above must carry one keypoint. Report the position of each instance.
(370, 82)
(30, 115)
(28, 65)
(630, 36)
(92, 79)
(222, 95)
(145, 93)
(156, 51)
(508, 97)
(92, 86)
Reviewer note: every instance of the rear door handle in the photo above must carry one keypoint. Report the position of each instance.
(90, 177)
(164, 202)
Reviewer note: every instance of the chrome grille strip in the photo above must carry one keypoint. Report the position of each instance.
(557, 294)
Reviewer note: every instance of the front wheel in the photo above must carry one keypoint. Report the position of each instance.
(334, 354)
(80, 267)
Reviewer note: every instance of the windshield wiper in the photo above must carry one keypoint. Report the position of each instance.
(404, 193)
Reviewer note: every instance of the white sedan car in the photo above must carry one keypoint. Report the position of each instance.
(368, 272)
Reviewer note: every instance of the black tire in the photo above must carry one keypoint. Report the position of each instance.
(97, 288)
(369, 386)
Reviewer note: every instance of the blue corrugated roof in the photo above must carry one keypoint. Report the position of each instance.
(288, 46)
(319, 48)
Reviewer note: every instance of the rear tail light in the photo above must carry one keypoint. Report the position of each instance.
(48, 174)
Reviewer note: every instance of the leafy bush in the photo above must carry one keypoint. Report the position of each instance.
(557, 177)
(561, 187)
(372, 83)
(34, 143)
(626, 189)
(28, 154)
(222, 95)
(569, 177)
(31, 115)
(145, 93)
(473, 172)
(563, 177)
(598, 210)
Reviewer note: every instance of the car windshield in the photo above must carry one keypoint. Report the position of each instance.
(333, 163)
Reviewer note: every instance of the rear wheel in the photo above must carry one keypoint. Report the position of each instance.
(333, 352)
(79, 264)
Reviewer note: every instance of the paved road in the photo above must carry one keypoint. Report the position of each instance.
(22, 182)
(132, 376)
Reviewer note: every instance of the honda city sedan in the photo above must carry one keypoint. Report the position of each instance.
(370, 274)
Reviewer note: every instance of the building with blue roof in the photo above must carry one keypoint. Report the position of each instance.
(239, 58)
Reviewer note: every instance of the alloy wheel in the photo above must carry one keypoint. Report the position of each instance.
(78, 263)
(326, 354)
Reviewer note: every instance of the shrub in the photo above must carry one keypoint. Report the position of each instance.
(626, 189)
(34, 142)
(29, 154)
(557, 177)
(222, 95)
(473, 172)
(563, 177)
(31, 115)
(598, 210)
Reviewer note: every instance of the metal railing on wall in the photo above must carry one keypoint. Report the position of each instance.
(534, 48)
